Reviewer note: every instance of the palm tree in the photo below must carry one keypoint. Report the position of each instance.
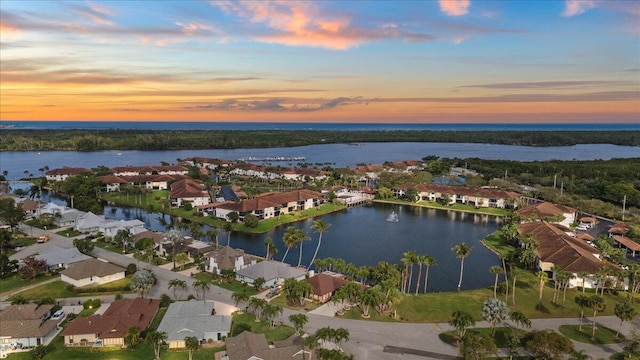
(420, 261)
(582, 301)
(213, 234)
(597, 304)
(520, 319)
(298, 321)
(302, 236)
(319, 226)
(177, 285)
(240, 297)
(584, 275)
(542, 278)
(174, 237)
(201, 286)
(192, 344)
(256, 305)
(270, 312)
(290, 240)
(156, 338)
(270, 247)
(429, 261)
(228, 227)
(625, 312)
(462, 251)
(495, 270)
(461, 321)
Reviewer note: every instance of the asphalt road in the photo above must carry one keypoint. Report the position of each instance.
(368, 339)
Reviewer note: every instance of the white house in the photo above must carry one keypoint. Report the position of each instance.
(273, 272)
(188, 190)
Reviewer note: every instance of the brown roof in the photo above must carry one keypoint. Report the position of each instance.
(271, 199)
(119, 317)
(68, 171)
(157, 237)
(187, 188)
(24, 312)
(148, 169)
(588, 219)
(460, 190)
(126, 179)
(26, 328)
(619, 228)
(30, 205)
(628, 243)
(226, 257)
(91, 267)
(324, 283)
(545, 209)
(585, 237)
(562, 250)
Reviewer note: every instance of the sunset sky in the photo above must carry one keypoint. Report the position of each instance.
(332, 61)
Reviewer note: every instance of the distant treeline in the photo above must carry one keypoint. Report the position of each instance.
(93, 140)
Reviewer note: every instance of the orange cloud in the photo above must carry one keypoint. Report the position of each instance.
(577, 7)
(455, 7)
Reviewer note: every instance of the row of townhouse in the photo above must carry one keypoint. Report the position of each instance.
(112, 183)
(272, 172)
(478, 197)
(265, 206)
(62, 174)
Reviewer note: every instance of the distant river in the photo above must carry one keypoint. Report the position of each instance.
(338, 155)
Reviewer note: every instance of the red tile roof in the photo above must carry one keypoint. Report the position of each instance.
(324, 284)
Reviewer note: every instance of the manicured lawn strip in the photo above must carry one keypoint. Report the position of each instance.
(234, 286)
(58, 289)
(279, 333)
(604, 335)
(156, 320)
(497, 245)
(69, 232)
(438, 307)
(15, 282)
(281, 300)
(454, 207)
(449, 337)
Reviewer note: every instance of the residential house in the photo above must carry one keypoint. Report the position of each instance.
(250, 346)
(89, 222)
(273, 272)
(111, 328)
(193, 318)
(619, 229)
(325, 285)
(28, 324)
(60, 258)
(548, 212)
(477, 197)
(91, 272)
(149, 182)
(622, 241)
(150, 170)
(110, 228)
(267, 205)
(557, 249)
(32, 209)
(68, 218)
(227, 258)
(64, 173)
(188, 190)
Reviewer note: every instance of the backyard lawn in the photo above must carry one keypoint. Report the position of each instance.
(15, 282)
(279, 333)
(231, 285)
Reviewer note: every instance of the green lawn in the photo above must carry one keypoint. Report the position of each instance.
(500, 338)
(232, 285)
(282, 301)
(58, 289)
(69, 232)
(497, 245)
(158, 318)
(437, 307)
(15, 282)
(604, 335)
(279, 333)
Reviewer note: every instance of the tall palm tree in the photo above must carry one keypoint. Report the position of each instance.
(270, 247)
(319, 226)
(177, 285)
(420, 261)
(289, 239)
(201, 286)
(212, 234)
(542, 278)
(497, 270)
(429, 261)
(302, 237)
(462, 251)
(228, 227)
(175, 237)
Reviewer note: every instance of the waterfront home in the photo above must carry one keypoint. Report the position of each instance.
(64, 173)
(273, 272)
(265, 206)
(477, 197)
(91, 272)
(250, 346)
(58, 258)
(193, 318)
(227, 258)
(110, 328)
(557, 249)
(27, 324)
(188, 190)
(149, 170)
(325, 285)
(112, 183)
(31, 208)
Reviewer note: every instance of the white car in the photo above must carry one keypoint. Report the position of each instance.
(57, 315)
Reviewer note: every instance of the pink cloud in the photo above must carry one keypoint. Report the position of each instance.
(577, 7)
(300, 23)
(455, 7)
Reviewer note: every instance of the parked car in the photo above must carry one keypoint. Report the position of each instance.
(57, 315)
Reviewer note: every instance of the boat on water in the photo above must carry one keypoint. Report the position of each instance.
(393, 217)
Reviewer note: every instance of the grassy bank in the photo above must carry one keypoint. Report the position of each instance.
(454, 207)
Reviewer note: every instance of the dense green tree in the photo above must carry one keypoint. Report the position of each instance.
(625, 312)
(7, 266)
(156, 339)
(85, 246)
(192, 344)
(251, 220)
(32, 267)
(548, 344)
(461, 321)
(10, 213)
(475, 346)
(133, 337)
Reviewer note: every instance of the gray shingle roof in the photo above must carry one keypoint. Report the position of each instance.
(270, 270)
(193, 318)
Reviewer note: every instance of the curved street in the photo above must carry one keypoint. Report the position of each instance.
(368, 339)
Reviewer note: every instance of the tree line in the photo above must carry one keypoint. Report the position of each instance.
(94, 140)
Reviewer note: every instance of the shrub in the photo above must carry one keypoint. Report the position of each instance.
(131, 269)
(239, 328)
(165, 300)
(91, 304)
